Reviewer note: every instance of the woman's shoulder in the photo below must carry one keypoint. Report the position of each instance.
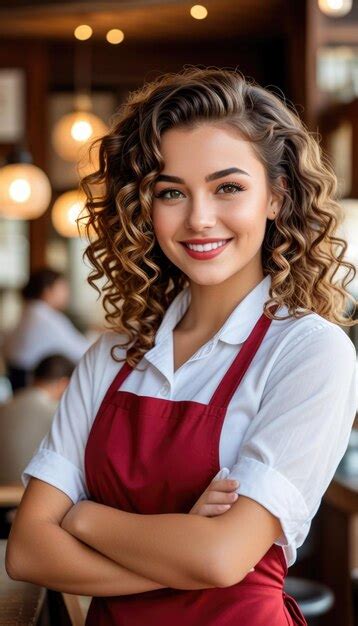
(312, 329)
(97, 368)
(108, 339)
(107, 350)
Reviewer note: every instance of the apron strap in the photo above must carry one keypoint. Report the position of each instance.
(241, 363)
(233, 376)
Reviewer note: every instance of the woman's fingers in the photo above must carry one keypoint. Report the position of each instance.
(212, 510)
(220, 497)
(224, 485)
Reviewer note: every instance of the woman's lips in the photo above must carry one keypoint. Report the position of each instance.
(204, 256)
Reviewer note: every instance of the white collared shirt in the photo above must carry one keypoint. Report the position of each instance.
(287, 425)
(41, 332)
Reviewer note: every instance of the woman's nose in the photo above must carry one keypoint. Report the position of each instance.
(200, 215)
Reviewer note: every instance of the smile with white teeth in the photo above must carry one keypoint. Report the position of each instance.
(207, 246)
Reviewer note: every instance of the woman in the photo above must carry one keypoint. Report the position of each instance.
(216, 239)
(43, 328)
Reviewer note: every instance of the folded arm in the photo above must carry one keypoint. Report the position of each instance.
(42, 552)
(179, 549)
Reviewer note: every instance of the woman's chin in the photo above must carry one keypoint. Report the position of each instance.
(207, 278)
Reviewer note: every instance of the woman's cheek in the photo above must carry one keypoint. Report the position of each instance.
(247, 217)
(165, 225)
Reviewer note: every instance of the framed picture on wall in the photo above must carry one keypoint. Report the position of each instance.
(12, 105)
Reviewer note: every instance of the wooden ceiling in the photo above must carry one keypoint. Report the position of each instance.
(144, 20)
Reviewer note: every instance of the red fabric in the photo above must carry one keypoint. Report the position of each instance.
(148, 455)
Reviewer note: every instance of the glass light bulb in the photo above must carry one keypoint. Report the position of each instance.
(198, 12)
(115, 36)
(83, 32)
(65, 212)
(335, 8)
(25, 191)
(74, 211)
(75, 132)
(20, 190)
(335, 4)
(81, 130)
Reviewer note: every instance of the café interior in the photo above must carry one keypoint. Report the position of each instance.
(65, 67)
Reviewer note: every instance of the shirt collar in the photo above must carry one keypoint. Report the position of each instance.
(241, 321)
(238, 325)
(234, 331)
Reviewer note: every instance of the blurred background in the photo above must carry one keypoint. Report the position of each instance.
(65, 66)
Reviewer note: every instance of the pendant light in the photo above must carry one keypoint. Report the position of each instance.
(335, 8)
(74, 132)
(25, 190)
(65, 212)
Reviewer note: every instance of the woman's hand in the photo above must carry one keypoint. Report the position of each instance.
(217, 498)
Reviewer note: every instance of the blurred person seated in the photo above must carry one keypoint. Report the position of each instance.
(26, 418)
(43, 328)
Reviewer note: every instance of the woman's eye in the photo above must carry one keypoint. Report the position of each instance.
(162, 194)
(233, 188)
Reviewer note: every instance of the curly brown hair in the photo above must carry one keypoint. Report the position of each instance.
(300, 249)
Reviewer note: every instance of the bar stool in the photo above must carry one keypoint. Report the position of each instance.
(313, 598)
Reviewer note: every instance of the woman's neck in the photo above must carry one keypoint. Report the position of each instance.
(211, 305)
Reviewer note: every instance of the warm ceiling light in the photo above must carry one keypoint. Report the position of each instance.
(81, 130)
(20, 190)
(25, 191)
(75, 131)
(198, 12)
(335, 8)
(83, 32)
(115, 36)
(65, 212)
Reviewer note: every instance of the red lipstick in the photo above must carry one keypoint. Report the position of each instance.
(204, 255)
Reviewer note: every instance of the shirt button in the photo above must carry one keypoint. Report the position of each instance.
(165, 390)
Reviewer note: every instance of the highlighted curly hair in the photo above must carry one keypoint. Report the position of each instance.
(300, 249)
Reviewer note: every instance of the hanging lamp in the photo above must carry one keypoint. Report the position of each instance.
(335, 8)
(65, 212)
(25, 190)
(74, 132)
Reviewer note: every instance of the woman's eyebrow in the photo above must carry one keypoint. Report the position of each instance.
(221, 173)
(175, 179)
(169, 179)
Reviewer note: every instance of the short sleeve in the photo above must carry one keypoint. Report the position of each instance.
(291, 449)
(59, 459)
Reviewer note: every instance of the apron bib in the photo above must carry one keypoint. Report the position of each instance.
(149, 455)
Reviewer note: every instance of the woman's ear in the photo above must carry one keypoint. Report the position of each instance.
(276, 200)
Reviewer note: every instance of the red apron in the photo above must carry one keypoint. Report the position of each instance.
(149, 455)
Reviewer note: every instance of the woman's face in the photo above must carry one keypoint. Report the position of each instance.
(213, 187)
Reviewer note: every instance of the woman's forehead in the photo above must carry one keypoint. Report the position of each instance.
(208, 149)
